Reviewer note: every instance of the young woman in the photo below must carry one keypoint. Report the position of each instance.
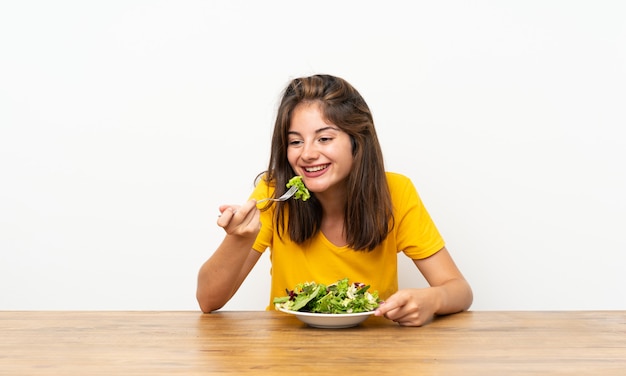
(359, 216)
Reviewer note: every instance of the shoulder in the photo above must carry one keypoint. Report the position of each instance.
(402, 189)
(397, 181)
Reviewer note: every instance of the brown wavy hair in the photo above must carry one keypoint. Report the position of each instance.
(368, 211)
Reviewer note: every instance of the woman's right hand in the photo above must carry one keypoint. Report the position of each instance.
(240, 220)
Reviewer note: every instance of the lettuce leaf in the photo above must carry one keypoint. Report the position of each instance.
(339, 298)
(302, 193)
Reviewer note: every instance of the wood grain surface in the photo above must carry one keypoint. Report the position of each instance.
(274, 343)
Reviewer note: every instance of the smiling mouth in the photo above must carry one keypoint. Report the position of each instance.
(315, 168)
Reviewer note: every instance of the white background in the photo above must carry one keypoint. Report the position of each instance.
(125, 124)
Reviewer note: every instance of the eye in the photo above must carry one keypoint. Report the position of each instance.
(325, 139)
(294, 142)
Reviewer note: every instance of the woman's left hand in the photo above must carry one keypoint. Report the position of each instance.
(410, 307)
(449, 293)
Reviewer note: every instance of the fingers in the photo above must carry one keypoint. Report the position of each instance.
(240, 220)
(226, 214)
(385, 307)
(401, 314)
(406, 307)
(393, 303)
(223, 208)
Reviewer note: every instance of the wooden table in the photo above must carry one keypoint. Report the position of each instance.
(274, 343)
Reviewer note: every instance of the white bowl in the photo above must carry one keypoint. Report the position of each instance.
(330, 320)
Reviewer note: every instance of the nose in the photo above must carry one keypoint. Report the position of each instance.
(309, 152)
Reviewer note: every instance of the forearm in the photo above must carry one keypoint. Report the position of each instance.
(450, 292)
(453, 296)
(221, 275)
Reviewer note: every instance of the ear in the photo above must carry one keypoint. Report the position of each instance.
(354, 145)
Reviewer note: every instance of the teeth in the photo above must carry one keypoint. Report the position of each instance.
(314, 169)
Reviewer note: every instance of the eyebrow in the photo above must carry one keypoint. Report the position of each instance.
(318, 130)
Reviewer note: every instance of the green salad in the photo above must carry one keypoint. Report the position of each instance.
(339, 297)
(302, 193)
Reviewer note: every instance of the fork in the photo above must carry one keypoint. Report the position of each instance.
(286, 196)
